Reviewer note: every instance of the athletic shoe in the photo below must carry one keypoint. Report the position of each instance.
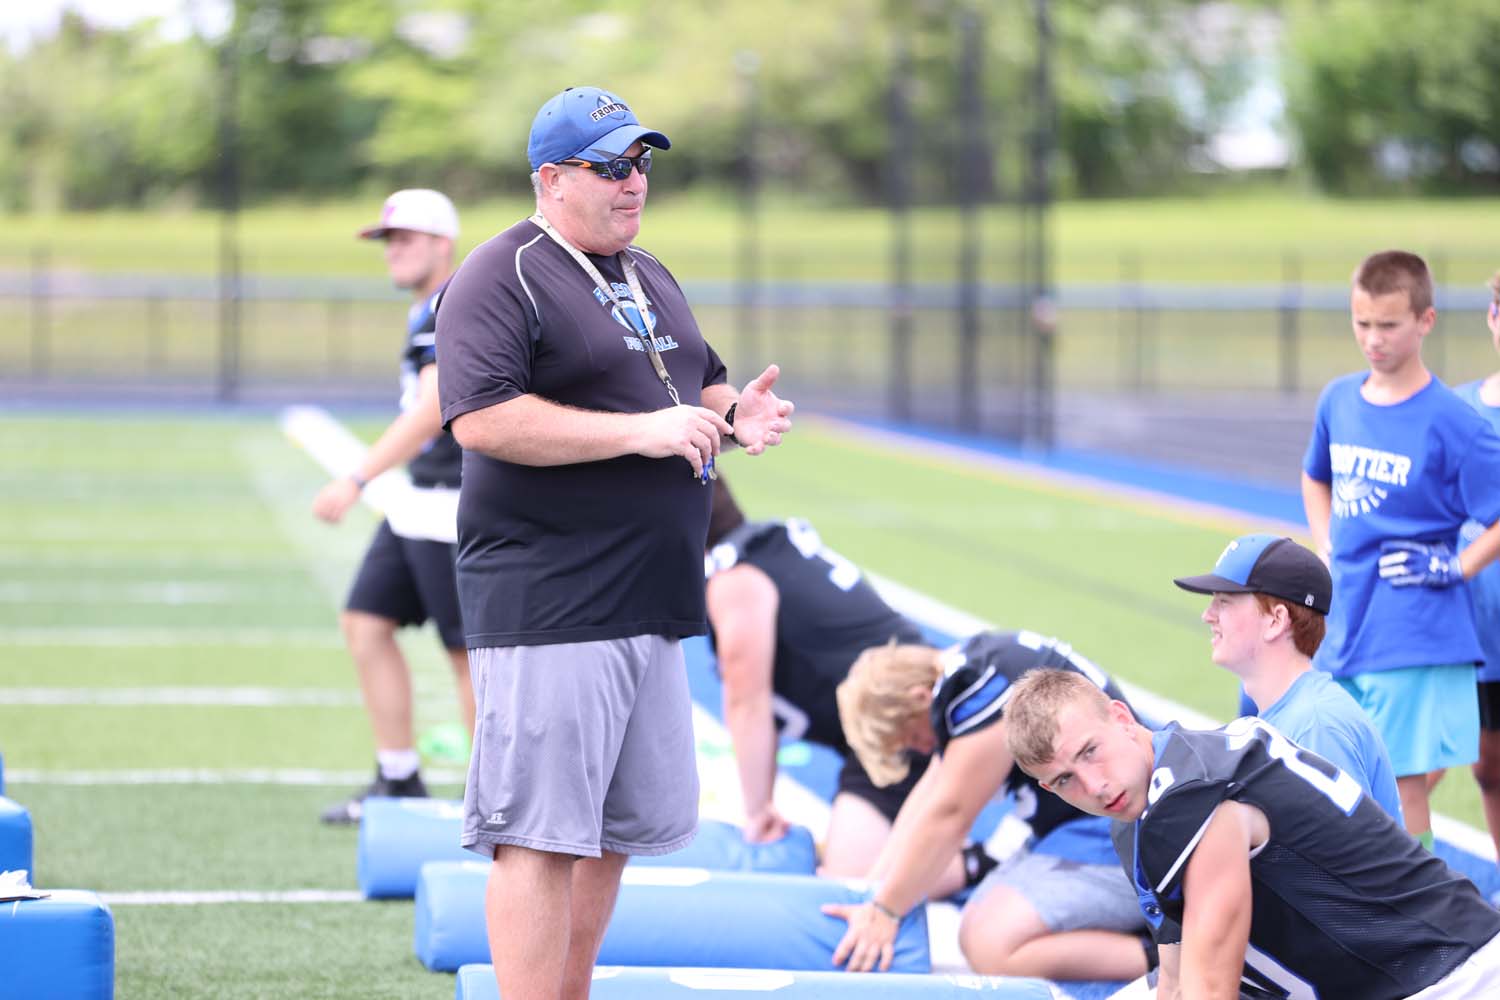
(350, 811)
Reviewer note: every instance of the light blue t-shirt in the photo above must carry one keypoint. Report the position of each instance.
(1484, 588)
(1316, 713)
(1417, 470)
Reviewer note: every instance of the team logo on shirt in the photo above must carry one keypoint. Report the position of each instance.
(628, 316)
(1362, 477)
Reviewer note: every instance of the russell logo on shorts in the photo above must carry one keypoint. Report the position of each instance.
(496, 819)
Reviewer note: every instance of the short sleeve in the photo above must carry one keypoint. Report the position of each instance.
(1315, 461)
(486, 337)
(1479, 476)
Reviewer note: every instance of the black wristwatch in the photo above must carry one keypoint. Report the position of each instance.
(729, 414)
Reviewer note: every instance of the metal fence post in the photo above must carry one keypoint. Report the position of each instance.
(969, 108)
(898, 190)
(1289, 313)
(156, 331)
(747, 64)
(41, 312)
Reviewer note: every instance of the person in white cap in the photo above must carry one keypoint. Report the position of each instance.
(404, 581)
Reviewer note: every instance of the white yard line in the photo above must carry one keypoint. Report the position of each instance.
(210, 776)
(219, 896)
(171, 593)
(229, 697)
(121, 636)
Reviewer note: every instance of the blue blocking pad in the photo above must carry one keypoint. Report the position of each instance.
(15, 841)
(477, 982)
(58, 948)
(673, 916)
(398, 836)
(721, 847)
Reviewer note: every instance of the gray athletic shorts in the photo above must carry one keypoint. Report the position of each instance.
(582, 747)
(1069, 895)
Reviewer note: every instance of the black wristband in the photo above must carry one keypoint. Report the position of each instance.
(729, 414)
(359, 481)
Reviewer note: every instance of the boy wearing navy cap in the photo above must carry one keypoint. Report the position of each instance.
(1266, 617)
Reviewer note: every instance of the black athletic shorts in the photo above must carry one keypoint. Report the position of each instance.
(409, 580)
(1489, 706)
(854, 780)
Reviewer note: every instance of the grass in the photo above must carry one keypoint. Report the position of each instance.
(101, 511)
(1233, 238)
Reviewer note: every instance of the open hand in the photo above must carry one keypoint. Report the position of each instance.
(760, 416)
(870, 941)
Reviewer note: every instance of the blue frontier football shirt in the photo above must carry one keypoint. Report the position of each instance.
(1414, 470)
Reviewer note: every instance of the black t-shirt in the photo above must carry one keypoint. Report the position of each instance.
(826, 616)
(1345, 902)
(441, 460)
(593, 550)
(971, 695)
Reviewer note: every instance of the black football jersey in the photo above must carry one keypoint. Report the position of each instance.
(1345, 903)
(827, 615)
(972, 692)
(441, 461)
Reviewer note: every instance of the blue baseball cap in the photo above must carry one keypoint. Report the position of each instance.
(1267, 564)
(586, 123)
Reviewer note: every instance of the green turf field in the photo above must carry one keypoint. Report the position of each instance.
(163, 553)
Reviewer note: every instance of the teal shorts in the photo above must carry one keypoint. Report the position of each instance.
(1427, 716)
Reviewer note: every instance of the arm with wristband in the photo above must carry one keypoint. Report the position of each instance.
(931, 828)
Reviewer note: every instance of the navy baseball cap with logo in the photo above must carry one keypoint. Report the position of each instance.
(1267, 564)
(586, 123)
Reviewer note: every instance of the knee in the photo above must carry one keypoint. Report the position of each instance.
(987, 948)
(1487, 773)
(362, 629)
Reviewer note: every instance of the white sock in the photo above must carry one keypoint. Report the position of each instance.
(398, 765)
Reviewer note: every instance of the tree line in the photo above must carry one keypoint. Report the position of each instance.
(319, 98)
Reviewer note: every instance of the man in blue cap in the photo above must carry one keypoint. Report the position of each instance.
(590, 410)
(1269, 599)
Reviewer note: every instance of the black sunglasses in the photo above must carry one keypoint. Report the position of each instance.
(617, 169)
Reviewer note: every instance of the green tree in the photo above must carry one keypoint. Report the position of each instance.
(1396, 93)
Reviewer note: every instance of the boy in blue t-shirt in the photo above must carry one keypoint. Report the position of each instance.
(1395, 465)
(1484, 396)
(1266, 620)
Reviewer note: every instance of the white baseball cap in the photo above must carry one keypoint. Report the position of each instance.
(421, 210)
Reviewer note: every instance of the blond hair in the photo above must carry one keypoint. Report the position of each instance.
(876, 707)
(1031, 713)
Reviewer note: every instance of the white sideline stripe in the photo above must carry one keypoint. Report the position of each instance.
(412, 513)
(236, 697)
(210, 776)
(72, 635)
(177, 898)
